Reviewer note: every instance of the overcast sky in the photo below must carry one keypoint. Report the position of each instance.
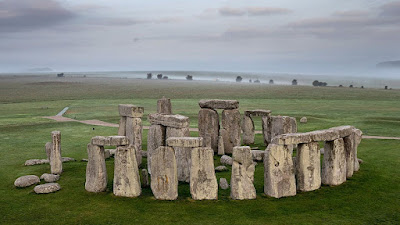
(307, 36)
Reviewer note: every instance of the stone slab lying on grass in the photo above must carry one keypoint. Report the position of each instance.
(26, 181)
(257, 112)
(130, 110)
(32, 162)
(47, 188)
(219, 104)
(110, 140)
(186, 142)
(175, 121)
(226, 160)
(221, 168)
(67, 159)
(223, 183)
(50, 178)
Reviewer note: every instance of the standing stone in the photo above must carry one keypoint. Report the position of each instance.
(96, 172)
(357, 141)
(293, 125)
(203, 183)
(164, 174)
(231, 124)
(308, 167)
(126, 174)
(266, 129)
(155, 139)
(334, 164)
(279, 172)
(48, 148)
(55, 154)
(122, 126)
(248, 130)
(208, 124)
(223, 183)
(145, 178)
(164, 106)
(242, 178)
(280, 125)
(221, 149)
(134, 130)
(349, 148)
(183, 155)
(303, 120)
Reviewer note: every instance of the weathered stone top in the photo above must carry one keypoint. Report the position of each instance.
(318, 135)
(242, 155)
(110, 140)
(176, 121)
(186, 142)
(257, 112)
(130, 110)
(219, 104)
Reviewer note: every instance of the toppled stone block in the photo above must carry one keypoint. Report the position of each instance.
(226, 160)
(231, 124)
(223, 183)
(258, 155)
(248, 130)
(155, 139)
(55, 154)
(126, 175)
(334, 163)
(303, 120)
(187, 142)
(208, 124)
(26, 181)
(96, 172)
(164, 106)
(47, 188)
(31, 162)
(242, 178)
(221, 168)
(50, 178)
(67, 159)
(308, 167)
(218, 104)
(129, 110)
(175, 121)
(257, 112)
(110, 140)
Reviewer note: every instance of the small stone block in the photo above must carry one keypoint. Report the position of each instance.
(130, 110)
(186, 142)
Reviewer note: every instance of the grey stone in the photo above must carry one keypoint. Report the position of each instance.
(280, 125)
(31, 162)
(48, 148)
(257, 112)
(186, 142)
(145, 178)
(155, 139)
(129, 110)
(67, 159)
(26, 181)
(107, 154)
(221, 149)
(308, 167)
(203, 183)
(218, 104)
(223, 183)
(221, 168)
(293, 125)
(248, 130)
(226, 160)
(242, 178)
(334, 163)
(96, 172)
(47, 188)
(164, 174)
(164, 106)
(84, 160)
(360, 161)
(110, 140)
(134, 129)
(175, 121)
(258, 155)
(122, 126)
(208, 124)
(357, 141)
(231, 124)
(303, 120)
(279, 172)
(183, 155)
(266, 129)
(126, 175)
(55, 154)
(49, 178)
(350, 152)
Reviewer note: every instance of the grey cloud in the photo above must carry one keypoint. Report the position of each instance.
(352, 13)
(231, 12)
(252, 11)
(124, 21)
(391, 9)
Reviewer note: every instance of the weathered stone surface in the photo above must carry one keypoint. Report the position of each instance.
(164, 106)
(122, 126)
(218, 104)
(266, 129)
(308, 167)
(107, 154)
(55, 154)
(343, 130)
(279, 172)
(258, 155)
(360, 161)
(226, 160)
(208, 124)
(182, 154)
(334, 163)
(155, 139)
(257, 112)
(293, 125)
(223, 183)
(110, 140)
(350, 152)
(303, 120)
(48, 146)
(221, 148)
(96, 173)
(231, 124)
(67, 159)
(322, 150)
(175, 121)
(50, 178)
(129, 110)
(144, 154)
(26, 181)
(134, 129)
(357, 141)
(280, 125)
(186, 142)
(203, 183)
(164, 174)
(242, 178)
(47, 188)
(145, 178)
(126, 174)
(31, 162)
(248, 130)
(221, 168)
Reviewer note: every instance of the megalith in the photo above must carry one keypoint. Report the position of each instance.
(334, 163)
(208, 124)
(96, 172)
(126, 173)
(308, 167)
(242, 178)
(55, 154)
(231, 125)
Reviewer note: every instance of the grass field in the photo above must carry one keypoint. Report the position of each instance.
(371, 196)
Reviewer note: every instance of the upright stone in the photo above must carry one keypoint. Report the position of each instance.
(134, 130)
(203, 183)
(164, 106)
(208, 125)
(242, 178)
(221, 149)
(357, 141)
(126, 174)
(55, 154)
(231, 124)
(334, 163)
(96, 173)
(182, 154)
(48, 148)
(164, 175)
(280, 125)
(155, 139)
(266, 129)
(122, 126)
(293, 125)
(308, 167)
(248, 130)
(350, 151)
(279, 172)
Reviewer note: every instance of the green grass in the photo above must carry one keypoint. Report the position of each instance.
(371, 196)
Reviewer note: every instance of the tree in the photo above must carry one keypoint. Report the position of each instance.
(271, 81)
(239, 79)
(250, 81)
(351, 86)
(189, 77)
(294, 82)
(149, 76)
(159, 76)
(257, 81)
(386, 87)
(315, 83)
(340, 85)
(362, 87)
(165, 77)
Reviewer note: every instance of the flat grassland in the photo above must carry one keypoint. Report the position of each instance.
(371, 196)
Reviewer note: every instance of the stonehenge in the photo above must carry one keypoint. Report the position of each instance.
(242, 174)
(55, 153)
(126, 173)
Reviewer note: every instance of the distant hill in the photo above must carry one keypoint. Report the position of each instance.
(389, 64)
(43, 69)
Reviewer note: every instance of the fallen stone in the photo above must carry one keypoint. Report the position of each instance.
(145, 178)
(208, 124)
(231, 125)
(26, 181)
(223, 183)
(96, 172)
(126, 175)
(32, 162)
(182, 155)
(47, 188)
(221, 168)
(49, 178)
(303, 120)
(122, 126)
(221, 149)
(308, 167)
(175, 121)
(130, 110)
(248, 130)
(155, 139)
(203, 183)
(242, 178)
(334, 163)
(84, 160)
(218, 104)
(134, 129)
(164, 106)
(110, 140)
(67, 159)
(55, 154)
(226, 160)
(186, 142)
(48, 146)
(258, 155)
(257, 112)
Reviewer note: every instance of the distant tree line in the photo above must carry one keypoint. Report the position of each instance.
(317, 83)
